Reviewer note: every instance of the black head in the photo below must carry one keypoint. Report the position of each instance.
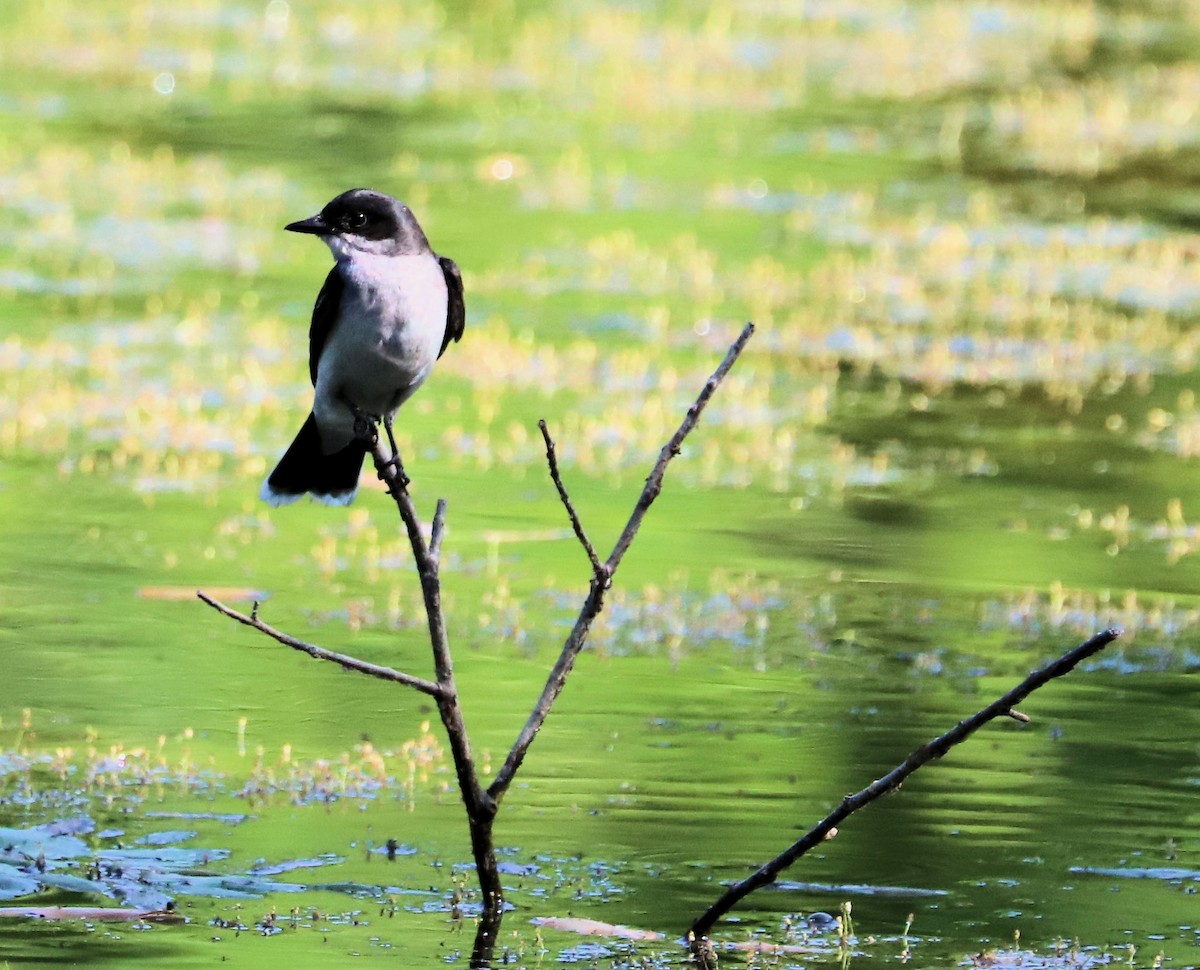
(367, 221)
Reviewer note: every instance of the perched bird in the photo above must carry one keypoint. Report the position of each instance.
(389, 308)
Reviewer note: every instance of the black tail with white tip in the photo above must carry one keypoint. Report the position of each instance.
(305, 469)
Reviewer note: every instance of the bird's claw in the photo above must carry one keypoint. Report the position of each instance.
(402, 481)
(366, 430)
(366, 426)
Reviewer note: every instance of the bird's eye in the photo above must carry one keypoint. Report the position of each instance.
(356, 220)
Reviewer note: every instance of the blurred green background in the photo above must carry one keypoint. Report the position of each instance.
(962, 441)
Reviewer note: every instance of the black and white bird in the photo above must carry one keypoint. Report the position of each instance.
(389, 308)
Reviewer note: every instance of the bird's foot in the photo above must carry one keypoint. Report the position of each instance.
(401, 480)
(366, 426)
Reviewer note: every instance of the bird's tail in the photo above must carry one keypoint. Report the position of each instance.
(306, 469)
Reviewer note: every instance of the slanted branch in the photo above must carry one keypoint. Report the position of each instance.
(482, 805)
(320, 653)
(701, 946)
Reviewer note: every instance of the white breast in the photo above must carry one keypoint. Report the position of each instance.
(391, 326)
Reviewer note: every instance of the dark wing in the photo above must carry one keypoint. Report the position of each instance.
(456, 310)
(325, 314)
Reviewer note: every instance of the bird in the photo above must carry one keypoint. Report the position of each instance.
(388, 310)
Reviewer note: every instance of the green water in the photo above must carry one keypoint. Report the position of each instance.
(962, 440)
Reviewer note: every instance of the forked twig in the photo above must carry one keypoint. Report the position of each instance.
(602, 575)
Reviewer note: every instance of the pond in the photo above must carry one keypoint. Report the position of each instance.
(962, 440)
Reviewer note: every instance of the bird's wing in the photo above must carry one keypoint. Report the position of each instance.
(325, 314)
(456, 310)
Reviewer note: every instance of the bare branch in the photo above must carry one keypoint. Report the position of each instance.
(601, 579)
(477, 802)
(671, 449)
(438, 530)
(554, 685)
(827, 827)
(320, 653)
(482, 806)
(552, 459)
(391, 473)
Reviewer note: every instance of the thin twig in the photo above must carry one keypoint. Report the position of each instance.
(320, 653)
(671, 449)
(437, 531)
(827, 827)
(601, 579)
(552, 459)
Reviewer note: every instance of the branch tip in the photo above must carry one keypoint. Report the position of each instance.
(437, 530)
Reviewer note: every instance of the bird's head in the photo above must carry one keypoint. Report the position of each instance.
(368, 222)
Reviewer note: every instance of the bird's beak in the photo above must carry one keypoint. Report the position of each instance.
(314, 225)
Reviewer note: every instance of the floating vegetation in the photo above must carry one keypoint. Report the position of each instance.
(734, 611)
(943, 293)
(148, 873)
(91, 774)
(763, 56)
(1167, 874)
(934, 303)
(1063, 957)
(1159, 629)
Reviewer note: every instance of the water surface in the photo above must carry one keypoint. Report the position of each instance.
(961, 442)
